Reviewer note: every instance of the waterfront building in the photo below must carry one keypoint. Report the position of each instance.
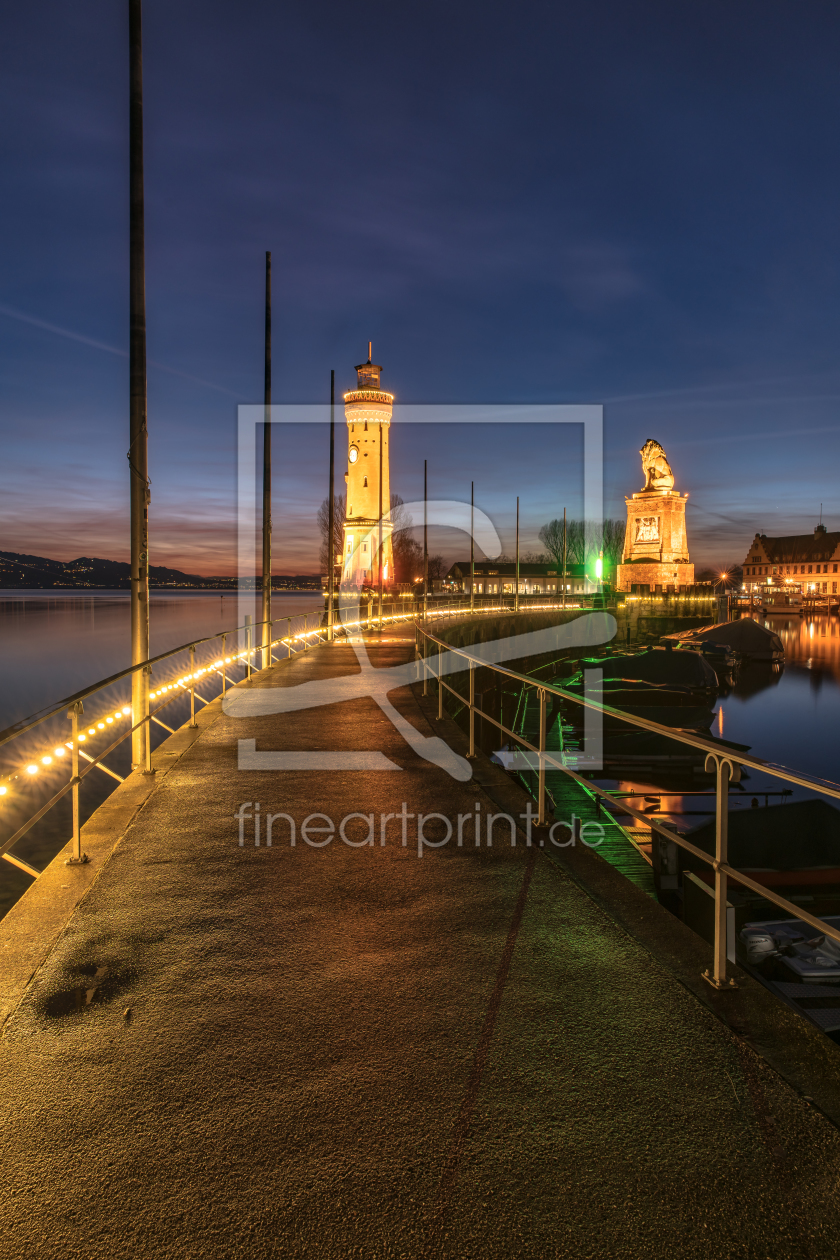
(493, 577)
(656, 555)
(809, 562)
(367, 410)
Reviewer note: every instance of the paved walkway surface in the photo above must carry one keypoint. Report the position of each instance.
(351, 1051)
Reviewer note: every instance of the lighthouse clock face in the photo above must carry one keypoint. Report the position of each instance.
(354, 454)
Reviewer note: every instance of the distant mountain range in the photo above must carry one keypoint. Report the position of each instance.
(36, 572)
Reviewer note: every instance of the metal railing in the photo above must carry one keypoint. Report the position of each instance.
(727, 768)
(296, 638)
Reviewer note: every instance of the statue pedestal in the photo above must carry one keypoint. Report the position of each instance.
(655, 544)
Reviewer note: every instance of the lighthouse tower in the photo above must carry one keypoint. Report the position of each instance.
(367, 410)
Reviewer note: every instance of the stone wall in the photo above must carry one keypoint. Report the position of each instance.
(654, 575)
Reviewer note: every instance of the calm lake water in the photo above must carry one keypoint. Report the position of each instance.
(56, 643)
(792, 716)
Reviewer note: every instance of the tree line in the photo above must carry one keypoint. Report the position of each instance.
(584, 541)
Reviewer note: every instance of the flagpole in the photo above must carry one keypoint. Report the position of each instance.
(472, 545)
(564, 557)
(141, 747)
(331, 516)
(516, 597)
(266, 506)
(425, 538)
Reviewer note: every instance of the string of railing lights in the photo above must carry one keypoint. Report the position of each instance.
(49, 758)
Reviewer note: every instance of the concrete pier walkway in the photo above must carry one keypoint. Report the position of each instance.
(355, 1051)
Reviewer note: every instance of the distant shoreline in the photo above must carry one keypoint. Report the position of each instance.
(158, 590)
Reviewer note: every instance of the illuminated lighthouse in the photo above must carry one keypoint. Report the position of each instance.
(367, 410)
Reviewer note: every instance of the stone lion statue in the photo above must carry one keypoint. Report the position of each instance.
(655, 466)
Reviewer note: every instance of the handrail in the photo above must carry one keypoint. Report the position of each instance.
(35, 719)
(826, 786)
(186, 685)
(180, 686)
(727, 764)
(28, 724)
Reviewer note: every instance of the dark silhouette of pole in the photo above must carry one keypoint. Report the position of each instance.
(381, 444)
(266, 504)
(331, 516)
(425, 537)
(472, 545)
(138, 441)
(564, 557)
(516, 596)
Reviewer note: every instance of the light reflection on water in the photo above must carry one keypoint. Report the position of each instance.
(791, 716)
(56, 643)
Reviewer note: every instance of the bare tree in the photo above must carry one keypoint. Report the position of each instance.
(408, 554)
(340, 511)
(614, 530)
(584, 540)
(435, 567)
(405, 547)
(551, 536)
(576, 542)
(408, 557)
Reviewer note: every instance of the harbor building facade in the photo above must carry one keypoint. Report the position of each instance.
(809, 562)
(367, 410)
(493, 577)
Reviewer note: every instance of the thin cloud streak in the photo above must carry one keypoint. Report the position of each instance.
(23, 318)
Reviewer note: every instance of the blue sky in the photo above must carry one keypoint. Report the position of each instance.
(629, 205)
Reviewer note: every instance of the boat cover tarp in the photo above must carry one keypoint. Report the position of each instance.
(676, 669)
(745, 636)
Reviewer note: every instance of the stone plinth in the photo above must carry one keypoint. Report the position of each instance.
(653, 575)
(655, 544)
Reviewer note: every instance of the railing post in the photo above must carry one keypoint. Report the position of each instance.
(724, 771)
(425, 666)
(541, 775)
(471, 753)
(76, 858)
(224, 664)
(192, 688)
(248, 633)
(147, 670)
(440, 683)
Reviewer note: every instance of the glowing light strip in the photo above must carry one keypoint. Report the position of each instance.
(47, 759)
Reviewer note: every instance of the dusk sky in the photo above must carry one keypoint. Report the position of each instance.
(634, 205)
